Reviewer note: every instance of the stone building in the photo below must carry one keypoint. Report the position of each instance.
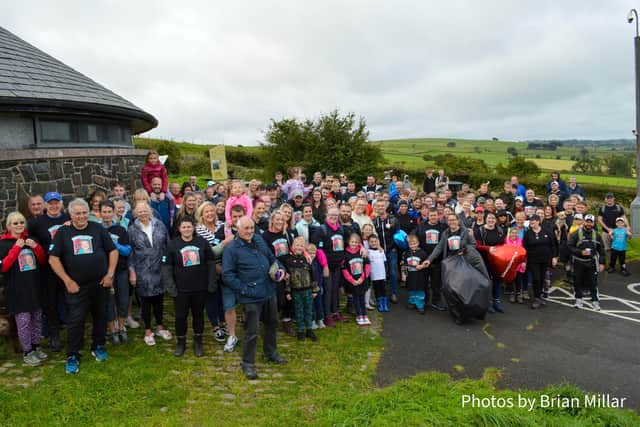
(60, 130)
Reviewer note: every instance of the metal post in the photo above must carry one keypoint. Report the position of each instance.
(635, 205)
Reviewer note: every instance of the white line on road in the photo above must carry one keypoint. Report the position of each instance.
(634, 287)
(566, 298)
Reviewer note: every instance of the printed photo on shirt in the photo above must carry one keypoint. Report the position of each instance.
(454, 243)
(27, 260)
(433, 236)
(82, 245)
(337, 242)
(281, 247)
(412, 263)
(190, 256)
(53, 230)
(355, 266)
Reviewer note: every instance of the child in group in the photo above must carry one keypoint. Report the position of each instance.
(318, 266)
(237, 196)
(378, 262)
(356, 270)
(368, 230)
(514, 240)
(619, 247)
(152, 168)
(301, 288)
(294, 183)
(578, 220)
(414, 259)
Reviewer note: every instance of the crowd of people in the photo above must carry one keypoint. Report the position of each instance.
(296, 253)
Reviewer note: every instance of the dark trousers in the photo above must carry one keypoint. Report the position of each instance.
(214, 308)
(358, 299)
(332, 290)
(538, 271)
(620, 256)
(303, 303)
(518, 283)
(379, 288)
(92, 297)
(586, 278)
(147, 303)
(286, 308)
(267, 311)
(51, 298)
(194, 302)
(434, 277)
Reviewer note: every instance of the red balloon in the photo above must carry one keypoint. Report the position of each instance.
(505, 261)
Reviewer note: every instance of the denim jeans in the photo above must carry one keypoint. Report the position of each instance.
(392, 263)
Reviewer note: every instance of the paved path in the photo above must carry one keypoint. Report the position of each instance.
(598, 351)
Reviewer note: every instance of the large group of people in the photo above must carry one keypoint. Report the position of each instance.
(301, 254)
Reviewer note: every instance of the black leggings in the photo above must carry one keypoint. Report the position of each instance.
(194, 301)
(380, 288)
(618, 255)
(157, 303)
(538, 271)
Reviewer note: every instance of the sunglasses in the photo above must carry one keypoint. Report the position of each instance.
(18, 223)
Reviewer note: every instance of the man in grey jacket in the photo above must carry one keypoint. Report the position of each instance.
(247, 268)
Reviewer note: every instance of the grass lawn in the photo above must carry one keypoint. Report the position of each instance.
(325, 383)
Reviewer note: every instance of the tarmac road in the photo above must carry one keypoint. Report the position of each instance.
(597, 351)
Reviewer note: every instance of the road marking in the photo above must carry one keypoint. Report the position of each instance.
(634, 288)
(564, 297)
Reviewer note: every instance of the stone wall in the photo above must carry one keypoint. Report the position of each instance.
(71, 172)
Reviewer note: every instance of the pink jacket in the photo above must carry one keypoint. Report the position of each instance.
(149, 172)
(518, 242)
(243, 201)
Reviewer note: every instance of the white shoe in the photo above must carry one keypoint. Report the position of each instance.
(131, 323)
(595, 305)
(314, 325)
(149, 340)
(578, 303)
(359, 320)
(366, 321)
(369, 307)
(230, 344)
(164, 334)
(321, 324)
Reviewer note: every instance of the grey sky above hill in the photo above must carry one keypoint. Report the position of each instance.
(214, 71)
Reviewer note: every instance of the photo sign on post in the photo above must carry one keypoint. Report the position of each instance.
(218, 161)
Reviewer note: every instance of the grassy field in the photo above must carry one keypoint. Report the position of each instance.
(328, 383)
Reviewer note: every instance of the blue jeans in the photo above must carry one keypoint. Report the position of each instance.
(392, 263)
(214, 309)
(417, 298)
(318, 302)
(118, 302)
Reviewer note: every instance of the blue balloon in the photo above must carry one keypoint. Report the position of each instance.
(400, 239)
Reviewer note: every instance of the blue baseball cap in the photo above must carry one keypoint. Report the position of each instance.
(52, 195)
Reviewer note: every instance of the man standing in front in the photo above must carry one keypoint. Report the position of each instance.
(84, 258)
(246, 265)
(589, 259)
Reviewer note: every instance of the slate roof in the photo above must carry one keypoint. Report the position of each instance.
(31, 80)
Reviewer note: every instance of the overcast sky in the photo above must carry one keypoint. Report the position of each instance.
(216, 71)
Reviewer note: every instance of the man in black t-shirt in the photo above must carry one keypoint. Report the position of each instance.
(44, 228)
(85, 258)
(607, 215)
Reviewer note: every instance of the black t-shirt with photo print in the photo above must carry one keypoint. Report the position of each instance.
(84, 253)
(188, 261)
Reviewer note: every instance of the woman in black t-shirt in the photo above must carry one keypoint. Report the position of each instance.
(488, 236)
(542, 252)
(22, 259)
(187, 263)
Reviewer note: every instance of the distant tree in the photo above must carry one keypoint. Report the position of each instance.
(477, 149)
(512, 151)
(451, 144)
(588, 164)
(457, 165)
(558, 157)
(619, 165)
(331, 142)
(494, 139)
(518, 166)
(584, 152)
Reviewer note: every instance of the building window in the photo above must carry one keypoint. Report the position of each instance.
(74, 132)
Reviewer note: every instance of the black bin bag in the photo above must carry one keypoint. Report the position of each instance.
(466, 285)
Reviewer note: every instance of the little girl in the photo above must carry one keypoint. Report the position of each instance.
(238, 196)
(367, 231)
(152, 169)
(294, 183)
(355, 270)
(514, 240)
(378, 261)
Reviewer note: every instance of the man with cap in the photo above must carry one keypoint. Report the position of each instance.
(44, 229)
(555, 177)
(607, 215)
(587, 249)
